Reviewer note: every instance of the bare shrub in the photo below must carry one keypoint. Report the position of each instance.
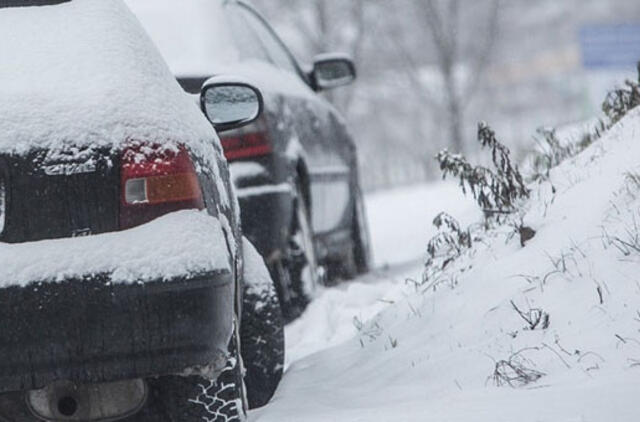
(514, 372)
(369, 332)
(443, 249)
(633, 180)
(496, 190)
(627, 242)
(552, 152)
(450, 238)
(621, 100)
(534, 317)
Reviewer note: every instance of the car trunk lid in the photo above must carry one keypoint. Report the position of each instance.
(49, 196)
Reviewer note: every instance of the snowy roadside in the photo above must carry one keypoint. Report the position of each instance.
(433, 356)
(400, 223)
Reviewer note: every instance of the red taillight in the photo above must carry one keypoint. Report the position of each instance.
(246, 146)
(156, 181)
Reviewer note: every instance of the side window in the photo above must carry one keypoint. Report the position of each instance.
(248, 43)
(276, 50)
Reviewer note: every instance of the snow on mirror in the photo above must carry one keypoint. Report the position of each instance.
(231, 105)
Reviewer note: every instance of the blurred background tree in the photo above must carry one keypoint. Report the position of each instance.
(429, 70)
(463, 39)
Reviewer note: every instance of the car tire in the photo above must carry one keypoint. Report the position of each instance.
(262, 331)
(298, 273)
(171, 398)
(194, 398)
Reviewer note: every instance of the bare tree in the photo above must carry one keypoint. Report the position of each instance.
(330, 19)
(328, 25)
(325, 25)
(456, 50)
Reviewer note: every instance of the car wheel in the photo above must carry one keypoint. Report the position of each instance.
(262, 331)
(194, 398)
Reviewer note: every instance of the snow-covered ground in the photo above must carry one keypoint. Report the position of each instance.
(400, 223)
(378, 349)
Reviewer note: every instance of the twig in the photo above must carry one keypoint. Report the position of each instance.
(557, 341)
(512, 372)
(534, 317)
(582, 356)
(557, 354)
(599, 290)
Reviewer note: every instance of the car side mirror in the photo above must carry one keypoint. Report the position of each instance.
(332, 70)
(229, 103)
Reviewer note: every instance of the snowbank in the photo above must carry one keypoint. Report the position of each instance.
(84, 73)
(433, 355)
(176, 245)
(402, 221)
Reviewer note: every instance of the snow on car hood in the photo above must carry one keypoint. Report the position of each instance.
(85, 73)
(176, 245)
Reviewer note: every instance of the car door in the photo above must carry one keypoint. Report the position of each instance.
(322, 135)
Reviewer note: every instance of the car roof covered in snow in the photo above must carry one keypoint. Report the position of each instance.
(192, 35)
(84, 73)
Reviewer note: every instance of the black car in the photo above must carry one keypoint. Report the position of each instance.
(126, 287)
(295, 169)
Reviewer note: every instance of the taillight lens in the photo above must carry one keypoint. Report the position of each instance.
(246, 146)
(156, 181)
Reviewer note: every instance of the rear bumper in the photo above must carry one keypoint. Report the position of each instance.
(266, 217)
(91, 330)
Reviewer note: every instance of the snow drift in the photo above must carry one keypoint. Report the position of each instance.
(465, 353)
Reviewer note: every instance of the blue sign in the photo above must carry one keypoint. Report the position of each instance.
(610, 46)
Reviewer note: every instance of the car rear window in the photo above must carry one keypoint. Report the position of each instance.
(27, 3)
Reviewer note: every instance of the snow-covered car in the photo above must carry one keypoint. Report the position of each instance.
(127, 289)
(296, 167)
